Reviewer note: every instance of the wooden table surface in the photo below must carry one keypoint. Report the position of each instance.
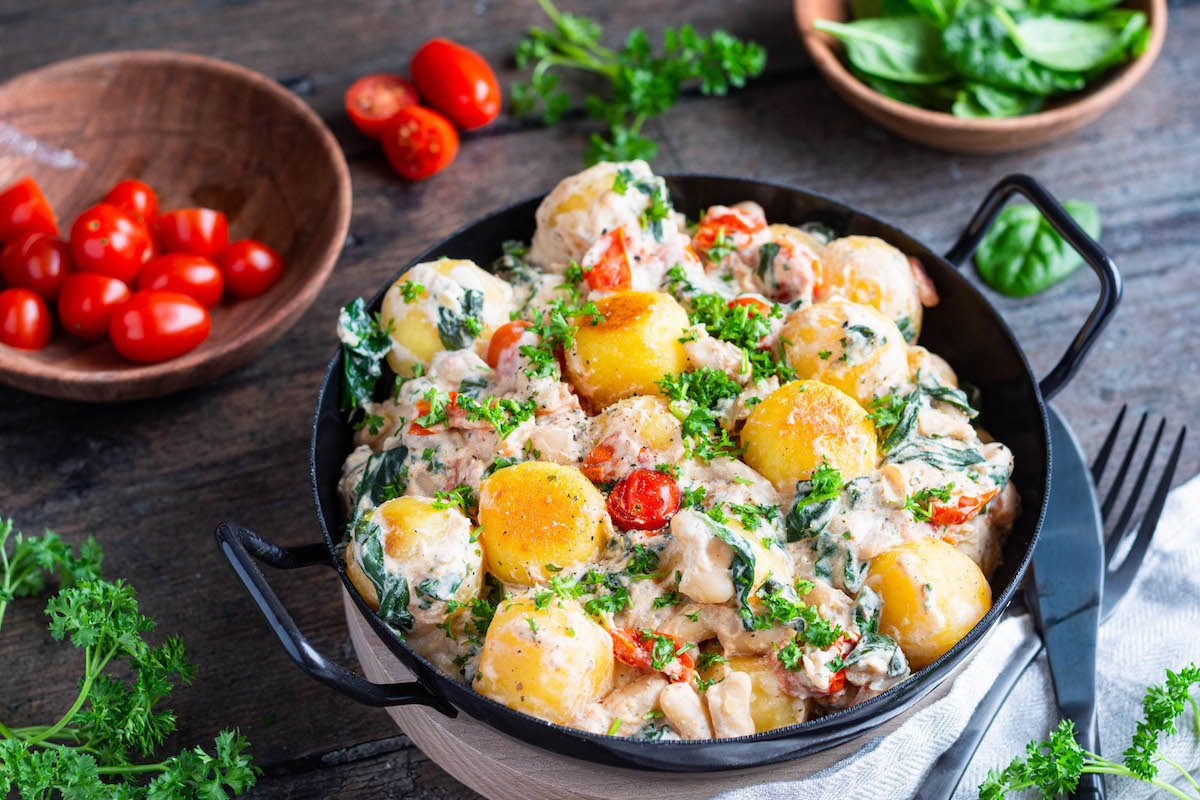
(151, 479)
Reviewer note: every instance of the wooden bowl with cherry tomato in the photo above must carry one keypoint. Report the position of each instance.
(206, 136)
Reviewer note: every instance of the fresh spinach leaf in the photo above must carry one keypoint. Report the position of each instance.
(873, 642)
(1021, 254)
(1071, 45)
(766, 259)
(903, 49)
(364, 346)
(741, 568)
(1075, 8)
(981, 49)
(384, 477)
(937, 453)
(934, 96)
(983, 100)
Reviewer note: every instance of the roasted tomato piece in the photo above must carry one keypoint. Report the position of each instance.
(506, 336)
(753, 303)
(725, 224)
(643, 500)
(966, 509)
(423, 410)
(653, 650)
(607, 262)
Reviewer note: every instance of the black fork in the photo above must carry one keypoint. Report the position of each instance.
(946, 773)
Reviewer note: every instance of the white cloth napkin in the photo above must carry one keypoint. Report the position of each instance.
(1156, 628)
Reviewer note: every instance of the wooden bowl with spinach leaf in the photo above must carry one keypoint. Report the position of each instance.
(982, 76)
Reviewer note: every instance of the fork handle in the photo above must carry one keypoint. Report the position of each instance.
(946, 773)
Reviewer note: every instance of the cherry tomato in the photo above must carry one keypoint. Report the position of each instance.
(505, 337)
(734, 225)
(37, 261)
(611, 269)
(643, 500)
(637, 648)
(966, 509)
(756, 305)
(456, 81)
(419, 142)
(23, 207)
(25, 320)
(87, 301)
(372, 101)
(110, 241)
(195, 276)
(136, 198)
(250, 268)
(423, 410)
(201, 231)
(156, 326)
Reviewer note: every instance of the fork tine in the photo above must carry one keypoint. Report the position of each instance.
(1111, 498)
(1135, 494)
(1117, 582)
(1106, 449)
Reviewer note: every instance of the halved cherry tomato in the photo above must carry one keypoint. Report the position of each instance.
(843, 645)
(423, 409)
(87, 301)
(593, 462)
(137, 198)
(110, 241)
(195, 276)
(250, 268)
(203, 231)
(636, 648)
(643, 500)
(37, 261)
(611, 269)
(23, 207)
(754, 303)
(419, 142)
(373, 100)
(926, 291)
(456, 81)
(25, 320)
(505, 337)
(156, 326)
(966, 509)
(732, 222)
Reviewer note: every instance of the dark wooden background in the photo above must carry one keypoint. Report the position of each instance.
(151, 479)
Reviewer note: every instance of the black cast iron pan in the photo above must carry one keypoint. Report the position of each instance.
(963, 328)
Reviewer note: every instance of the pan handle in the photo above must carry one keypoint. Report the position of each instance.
(1087, 247)
(241, 546)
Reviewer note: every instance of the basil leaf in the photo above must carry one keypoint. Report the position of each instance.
(904, 49)
(1021, 254)
(981, 49)
(741, 568)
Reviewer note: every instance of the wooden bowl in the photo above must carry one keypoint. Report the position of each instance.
(201, 132)
(948, 132)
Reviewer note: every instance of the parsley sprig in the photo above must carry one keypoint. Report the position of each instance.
(641, 84)
(744, 326)
(556, 327)
(696, 398)
(124, 679)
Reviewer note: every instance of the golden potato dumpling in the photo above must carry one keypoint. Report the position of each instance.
(932, 595)
(582, 208)
(430, 548)
(847, 345)
(636, 344)
(537, 513)
(770, 706)
(870, 271)
(550, 662)
(803, 424)
(457, 305)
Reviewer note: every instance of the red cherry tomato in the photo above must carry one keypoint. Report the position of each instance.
(25, 321)
(136, 198)
(23, 207)
(110, 241)
(419, 142)
(156, 326)
(201, 231)
(195, 276)
(735, 226)
(87, 301)
(456, 81)
(372, 101)
(418, 429)
(37, 261)
(249, 268)
(966, 509)
(643, 500)
(505, 337)
(611, 269)
(756, 305)
(637, 649)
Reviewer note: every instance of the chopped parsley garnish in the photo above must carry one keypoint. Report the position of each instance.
(743, 326)
(753, 514)
(722, 246)
(643, 562)
(695, 397)
(372, 422)
(503, 414)
(921, 503)
(692, 496)
(709, 658)
(556, 329)
(677, 282)
(410, 291)
(461, 497)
